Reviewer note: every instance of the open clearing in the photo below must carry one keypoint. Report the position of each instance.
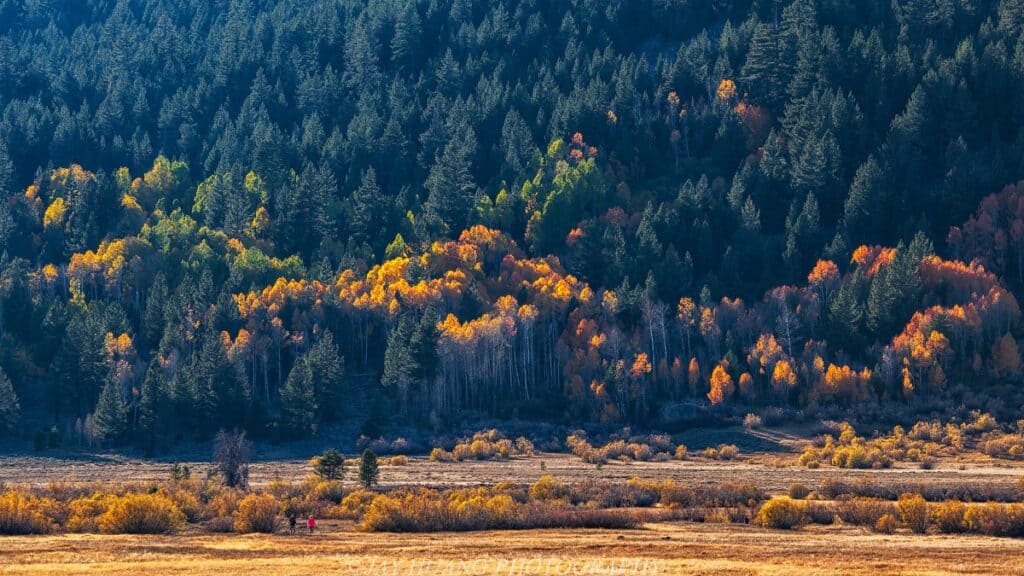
(658, 549)
(765, 471)
(674, 548)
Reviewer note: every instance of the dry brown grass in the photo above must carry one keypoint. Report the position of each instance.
(660, 549)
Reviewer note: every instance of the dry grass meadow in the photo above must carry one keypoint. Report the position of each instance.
(657, 548)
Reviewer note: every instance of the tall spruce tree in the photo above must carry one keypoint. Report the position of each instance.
(10, 408)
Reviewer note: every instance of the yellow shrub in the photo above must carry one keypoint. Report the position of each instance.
(257, 513)
(21, 515)
(547, 488)
(400, 460)
(722, 452)
(186, 501)
(354, 505)
(681, 452)
(949, 516)
(781, 512)
(85, 512)
(914, 512)
(441, 455)
(223, 504)
(886, 524)
(142, 514)
(326, 491)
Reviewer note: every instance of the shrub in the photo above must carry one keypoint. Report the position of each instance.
(718, 517)
(729, 494)
(20, 515)
(480, 509)
(1005, 520)
(486, 445)
(722, 452)
(820, 512)
(257, 513)
(441, 455)
(886, 524)
(399, 460)
(642, 493)
(680, 452)
(547, 488)
(326, 491)
(142, 514)
(913, 512)
(186, 500)
(220, 524)
(949, 517)
(354, 505)
(524, 446)
(833, 487)
(798, 491)
(223, 504)
(640, 448)
(782, 513)
(864, 511)
(85, 512)
(675, 495)
(751, 421)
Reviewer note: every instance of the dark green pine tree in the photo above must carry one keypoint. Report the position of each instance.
(649, 252)
(400, 364)
(369, 209)
(218, 392)
(810, 171)
(405, 44)
(774, 163)
(322, 189)
(10, 408)
(6, 171)
(767, 71)
(328, 368)
(155, 408)
(865, 205)
(369, 471)
(845, 318)
(450, 188)
(80, 366)
(110, 419)
(330, 465)
(517, 144)
(298, 401)
(153, 315)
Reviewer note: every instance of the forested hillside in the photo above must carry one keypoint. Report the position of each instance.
(283, 215)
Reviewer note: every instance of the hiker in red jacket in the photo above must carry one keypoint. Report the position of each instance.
(311, 524)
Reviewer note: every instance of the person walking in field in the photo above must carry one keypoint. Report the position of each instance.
(292, 521)
(311, 524)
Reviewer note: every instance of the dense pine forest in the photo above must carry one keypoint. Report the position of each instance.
(282, 216)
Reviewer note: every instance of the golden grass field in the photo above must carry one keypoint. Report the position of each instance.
(661, 548)
(658, 549)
